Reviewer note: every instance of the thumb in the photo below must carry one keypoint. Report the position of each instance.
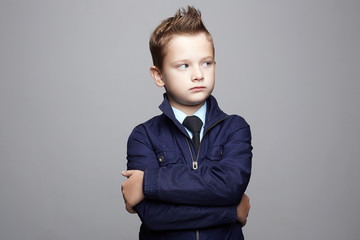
(127, 173)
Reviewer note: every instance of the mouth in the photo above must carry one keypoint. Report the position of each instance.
(197, 89)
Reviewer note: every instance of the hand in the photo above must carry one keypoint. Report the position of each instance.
(243, 209)
(132, 189)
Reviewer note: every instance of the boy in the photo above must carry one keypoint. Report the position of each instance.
(187, 175)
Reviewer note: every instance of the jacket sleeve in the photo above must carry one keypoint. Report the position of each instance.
(157, 215)
(221, 184)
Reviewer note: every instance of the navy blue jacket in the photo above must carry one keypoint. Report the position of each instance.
(188, 195)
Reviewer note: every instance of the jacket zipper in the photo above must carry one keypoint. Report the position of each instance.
(194, 163)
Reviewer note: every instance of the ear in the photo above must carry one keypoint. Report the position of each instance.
(157, 76)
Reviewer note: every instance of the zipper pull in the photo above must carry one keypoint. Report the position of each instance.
(195, 165)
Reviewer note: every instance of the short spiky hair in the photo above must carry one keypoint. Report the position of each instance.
(185, 21)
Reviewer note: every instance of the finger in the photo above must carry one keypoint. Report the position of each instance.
(130, 209)
(127, 208)
(246, 197)
(244, 223)
(127, 173)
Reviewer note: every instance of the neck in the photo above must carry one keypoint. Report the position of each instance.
(187, 109)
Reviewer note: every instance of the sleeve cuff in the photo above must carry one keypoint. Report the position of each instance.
(233, 214)
(150, 183)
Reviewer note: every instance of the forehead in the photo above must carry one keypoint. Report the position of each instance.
(189, 47)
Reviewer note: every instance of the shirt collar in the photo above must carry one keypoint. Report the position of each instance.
(180, 115)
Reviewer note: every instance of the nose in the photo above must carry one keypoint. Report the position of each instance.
(197, 74)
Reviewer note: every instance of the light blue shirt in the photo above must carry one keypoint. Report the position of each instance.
(201, 113)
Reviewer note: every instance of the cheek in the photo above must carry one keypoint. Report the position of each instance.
(212, 80)
(177, 78)
(211, 75)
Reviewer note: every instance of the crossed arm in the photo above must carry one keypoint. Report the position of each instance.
(132, 190)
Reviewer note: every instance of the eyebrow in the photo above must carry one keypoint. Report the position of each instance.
(185, 59)
(208, 57)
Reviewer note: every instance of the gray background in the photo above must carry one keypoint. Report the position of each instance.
(72, 72)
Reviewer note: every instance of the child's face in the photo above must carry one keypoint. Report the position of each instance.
(188, 72)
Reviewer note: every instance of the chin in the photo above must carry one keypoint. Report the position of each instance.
(195, 103)
(200, 99)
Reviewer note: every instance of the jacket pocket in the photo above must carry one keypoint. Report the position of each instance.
(167, 158)
(214, 153)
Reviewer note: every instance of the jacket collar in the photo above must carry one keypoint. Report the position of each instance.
(213, 113)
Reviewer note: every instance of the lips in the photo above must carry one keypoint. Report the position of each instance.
(197, 89)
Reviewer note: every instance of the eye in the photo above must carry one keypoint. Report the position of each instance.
(183, 66)
(207, 63)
